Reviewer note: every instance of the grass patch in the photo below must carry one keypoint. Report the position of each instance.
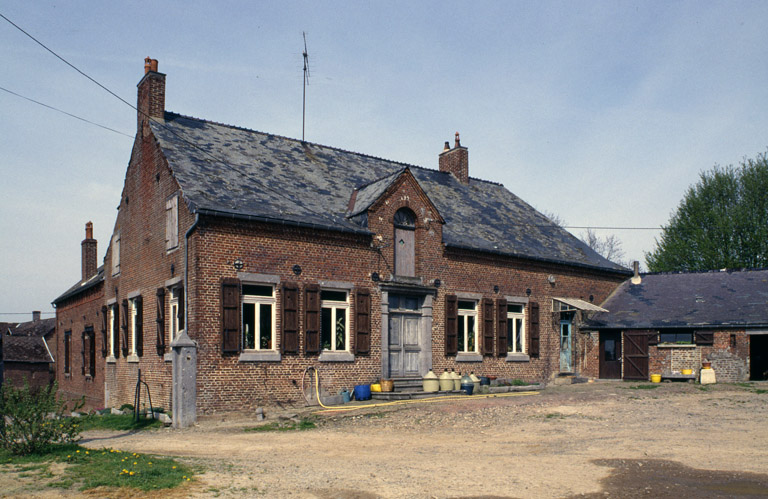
(554, 415)
(302, 425)
(643, 387)
(760, 391)
(704, 388)
(119, 422)
(88, 468)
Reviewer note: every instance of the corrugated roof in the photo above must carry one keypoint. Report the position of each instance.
(702, 299)
(229, 171)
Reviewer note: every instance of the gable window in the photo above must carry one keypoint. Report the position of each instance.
(515, 328)
(67, 352)
(258, 317)
(467, 329)
(116, 253)
(176, 319)
(172, 223)
(334, 327)
(405, 242)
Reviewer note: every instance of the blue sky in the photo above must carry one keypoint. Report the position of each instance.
(600, 112)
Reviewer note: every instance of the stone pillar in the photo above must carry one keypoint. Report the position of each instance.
(184, 388)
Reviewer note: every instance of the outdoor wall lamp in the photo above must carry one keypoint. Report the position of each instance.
(375, 277)
(437, 283)
(496, 289)
(552, 280)
(528, 291)
(297, 269)
(238, 264)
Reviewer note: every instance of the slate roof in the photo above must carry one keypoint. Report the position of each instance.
(693, 300)
(235, 172)
(29, 349)
(34, 328)
(81, 286)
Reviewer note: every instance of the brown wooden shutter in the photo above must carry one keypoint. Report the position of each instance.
(362, 321)
(451, 325)
(704, 338)
(312, 319)
(124, 327)
(488, 320)
(116, 330)
(82, 352)
(533, 330)
(160, 341)
(182, 303)
(653, 337)
(230, 315)
(501, 326)
(290, 335)
(104, 331)
(139, 304)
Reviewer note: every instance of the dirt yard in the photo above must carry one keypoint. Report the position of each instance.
(599, 439)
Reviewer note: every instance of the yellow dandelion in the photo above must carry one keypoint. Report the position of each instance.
(78, 451)
(87, 452)
(131, 473)
(150, 463)
(174, 467)
(187, 479)
(69, 456)
(135, 463)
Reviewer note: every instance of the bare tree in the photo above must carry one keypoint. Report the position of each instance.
(554, 218)
(608, 247)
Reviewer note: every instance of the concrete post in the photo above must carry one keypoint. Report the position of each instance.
(184, 389)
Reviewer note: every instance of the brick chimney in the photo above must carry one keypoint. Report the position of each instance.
(35, 316)
(89, 260)
(151, 100)
(455, 161)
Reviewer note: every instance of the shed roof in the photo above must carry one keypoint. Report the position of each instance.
(688, 300)
(30, 349)
(229, 171)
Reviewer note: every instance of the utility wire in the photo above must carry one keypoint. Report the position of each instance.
(240, 171)
(64, 112)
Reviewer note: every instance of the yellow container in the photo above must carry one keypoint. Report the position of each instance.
(655, 378)
(375, 387)
(687, 372)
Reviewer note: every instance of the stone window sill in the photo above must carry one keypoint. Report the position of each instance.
(469, 357)
(518, 357)
(330, 356)
(111, 360)
(132, 358)
(675, 345)
(260, 356)
(168, 357)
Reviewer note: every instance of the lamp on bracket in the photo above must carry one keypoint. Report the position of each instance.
(238, 264)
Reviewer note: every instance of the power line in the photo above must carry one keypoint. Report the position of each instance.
(65, 112)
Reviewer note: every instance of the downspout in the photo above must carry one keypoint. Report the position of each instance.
(186, 270)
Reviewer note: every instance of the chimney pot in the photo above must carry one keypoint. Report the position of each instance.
(89, 230)
(147, 64)
(447, 146)
(35, 316)
(636, 279)
(457, 143)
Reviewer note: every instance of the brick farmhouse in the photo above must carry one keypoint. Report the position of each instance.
(274, 255)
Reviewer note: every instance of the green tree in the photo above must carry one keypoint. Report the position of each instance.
(722, 222)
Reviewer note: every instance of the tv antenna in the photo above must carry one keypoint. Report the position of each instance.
(306, 82)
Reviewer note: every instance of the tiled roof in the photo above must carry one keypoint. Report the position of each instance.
(82, 286)
(235, 172)
(25, 349)
(701, 299)
(34, 328)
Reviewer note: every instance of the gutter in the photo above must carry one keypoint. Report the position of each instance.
(186, 270)
(279, 221)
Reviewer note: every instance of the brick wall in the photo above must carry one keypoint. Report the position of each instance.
(730, 362)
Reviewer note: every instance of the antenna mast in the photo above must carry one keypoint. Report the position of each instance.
(306, 82)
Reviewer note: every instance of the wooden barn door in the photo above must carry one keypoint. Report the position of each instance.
(610, 355)
(636, 355)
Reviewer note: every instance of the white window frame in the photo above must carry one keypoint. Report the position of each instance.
(173, 308)
(257, 301)
(336, 307)
(133, 311)
(116, 253)
(463, 317)
(111, 332)
(512, 318)
(172, 223)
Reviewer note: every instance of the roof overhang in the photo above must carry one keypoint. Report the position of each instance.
(574, 303)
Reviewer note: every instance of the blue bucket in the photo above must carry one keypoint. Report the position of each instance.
(362, 392)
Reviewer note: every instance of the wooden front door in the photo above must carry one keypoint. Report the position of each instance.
(610, 355)
(636, 355)
(404, 334)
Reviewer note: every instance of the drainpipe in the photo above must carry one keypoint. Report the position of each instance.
(186, 271)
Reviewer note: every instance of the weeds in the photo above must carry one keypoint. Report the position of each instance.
(120, 422)
(643, 387)
(302, 425)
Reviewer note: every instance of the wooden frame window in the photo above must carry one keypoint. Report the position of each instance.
(258, 308)
(67, 352)
(467, 326)
(516, 328)
(176, 308)
(334, 320)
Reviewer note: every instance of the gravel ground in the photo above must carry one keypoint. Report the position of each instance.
(601, 439)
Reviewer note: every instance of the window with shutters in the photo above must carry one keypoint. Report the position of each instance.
(676, 337)
(114, 331)
(116, 253)
(172, 223)
(134, 323)
(89, 348)
(258, 317)
(176, 309)
(334, 322)
(515, 328)
(467, 325)
(67, 352)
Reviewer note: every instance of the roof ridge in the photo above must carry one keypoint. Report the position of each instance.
(712, 271)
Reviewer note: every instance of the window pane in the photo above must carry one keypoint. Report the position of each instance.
(470, 333)
(519, 335)
(610, 349)
(510, 335)
(333, 295)
(326, 329)
(257, 290)
(411, 303)
(466, 305)
(265, 328)
(461, 334)
(249, 326)
(341, 329)
(515, 308)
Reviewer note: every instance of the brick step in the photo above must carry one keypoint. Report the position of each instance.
(408, 384)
